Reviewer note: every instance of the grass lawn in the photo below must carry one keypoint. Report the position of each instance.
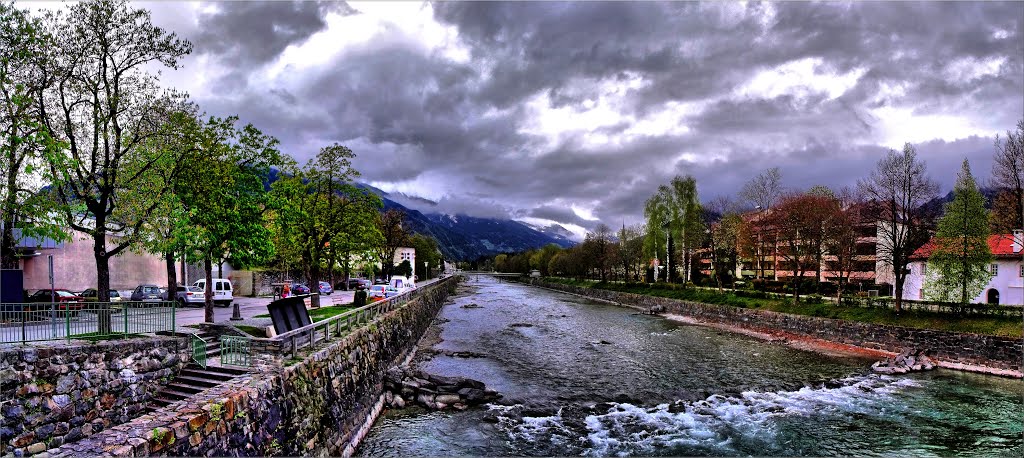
(321, 313)
(253, 330)
(979, 324)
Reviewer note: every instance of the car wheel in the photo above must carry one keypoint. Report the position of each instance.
(181, 303)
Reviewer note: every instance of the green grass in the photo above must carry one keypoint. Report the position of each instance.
(1007, 326)
(321, 313)
(252, 330)
(97, 337)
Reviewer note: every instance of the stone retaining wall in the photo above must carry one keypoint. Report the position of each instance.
(1004, 353)
(315, 406)
(58, 394)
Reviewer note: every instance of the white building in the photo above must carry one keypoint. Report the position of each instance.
(1007, 284)
(405, 254)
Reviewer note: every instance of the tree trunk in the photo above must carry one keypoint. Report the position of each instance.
(172, 277)
(670, 267)
(99, 240)
(208, 270)
(7, 259)
(314, 279)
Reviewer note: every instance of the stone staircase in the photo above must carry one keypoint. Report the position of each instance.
(194, 378)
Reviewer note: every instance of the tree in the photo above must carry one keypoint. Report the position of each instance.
(656, 211)
(900, 187)
(631, 255)
(224, 195)
(686, 220)
(393, 236)
(103, 105)
(723, 239)
(841, 240)
(320, 203)
(597, 245)
(25, 144)
(958, 264)
(1008, 173)
(762, 192)
(427, 254)
(673, 214)
(798, 221)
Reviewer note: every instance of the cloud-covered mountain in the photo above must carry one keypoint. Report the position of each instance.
(462, 237)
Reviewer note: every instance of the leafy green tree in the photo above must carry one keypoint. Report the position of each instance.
(393, 236)
(958, 265)
(674, 216)
(24, 145)
(427, 254)
(321, 206)
(102, 102)
(657, 213)
(224, 196)
(404, 269)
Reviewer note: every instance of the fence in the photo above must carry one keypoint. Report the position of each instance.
(31, 322)
(236, 351)
(198, 349)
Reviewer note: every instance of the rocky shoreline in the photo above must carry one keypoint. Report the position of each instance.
(910, 360)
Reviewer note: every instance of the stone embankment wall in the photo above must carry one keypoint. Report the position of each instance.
(316, 406)
(59, 394)
(955, 349)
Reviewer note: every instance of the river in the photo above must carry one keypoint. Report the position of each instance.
(581, 377)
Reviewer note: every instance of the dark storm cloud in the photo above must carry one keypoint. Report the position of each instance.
(252, 33)
(412, 114)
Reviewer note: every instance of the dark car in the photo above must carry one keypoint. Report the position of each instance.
(299, 288)
(146, 293)
(65, 299)
(353, 283)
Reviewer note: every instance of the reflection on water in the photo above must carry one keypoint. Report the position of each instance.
(586, 378)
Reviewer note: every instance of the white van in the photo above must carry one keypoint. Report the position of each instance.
(402, 283)
(221, 290)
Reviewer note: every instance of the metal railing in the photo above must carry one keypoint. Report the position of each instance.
(198, 345)
(236, 351)
(343, 323)
(41, 321)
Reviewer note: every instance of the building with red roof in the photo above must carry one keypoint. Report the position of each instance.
(1006, 285)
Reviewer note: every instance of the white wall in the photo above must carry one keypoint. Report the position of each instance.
(1007, 281)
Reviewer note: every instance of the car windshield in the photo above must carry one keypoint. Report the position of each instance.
(150, 290)
(112, 293)
(63, 293)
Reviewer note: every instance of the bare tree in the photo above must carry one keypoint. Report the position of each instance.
(843, 235)
(723, 238)
(393, 236)
(762, 192)
(1008, 173)
(900, 187)
(799, 220)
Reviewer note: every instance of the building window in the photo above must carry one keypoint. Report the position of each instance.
(924, 269)
(1022, 271)
(994, 269)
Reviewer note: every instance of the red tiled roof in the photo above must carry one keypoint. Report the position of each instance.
(1001, 246)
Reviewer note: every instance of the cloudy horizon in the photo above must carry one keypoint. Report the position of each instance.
(574, 113)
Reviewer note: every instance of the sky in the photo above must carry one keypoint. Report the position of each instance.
(574, 113)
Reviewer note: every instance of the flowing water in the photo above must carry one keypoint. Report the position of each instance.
(585, 378)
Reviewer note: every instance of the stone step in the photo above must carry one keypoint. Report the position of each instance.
(182, 386)
(174, 394)
(197, 381)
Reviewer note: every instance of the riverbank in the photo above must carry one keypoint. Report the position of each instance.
(992, 355)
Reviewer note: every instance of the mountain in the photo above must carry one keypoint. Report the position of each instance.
(463, 237)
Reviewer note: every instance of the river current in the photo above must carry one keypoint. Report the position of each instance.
(581, 377)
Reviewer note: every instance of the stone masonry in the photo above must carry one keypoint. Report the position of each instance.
(1003, 353)
(313, 406)
(54, 395)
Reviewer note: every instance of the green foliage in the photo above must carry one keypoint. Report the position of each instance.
(404, 269)
(216, 411)
(427, 253)
(958, 265)
(158, 435)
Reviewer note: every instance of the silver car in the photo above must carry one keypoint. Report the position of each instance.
(189, 295)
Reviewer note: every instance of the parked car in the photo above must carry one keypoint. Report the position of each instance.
(64, 300)
(299, 288)
(353, 283)
(222, 289)
(146, 293)
(382, 292)
(93, 294)
(325, 288)
(189, 295)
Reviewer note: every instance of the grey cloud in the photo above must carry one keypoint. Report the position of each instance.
(408, 113)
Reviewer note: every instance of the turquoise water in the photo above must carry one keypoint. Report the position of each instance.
(585, 378)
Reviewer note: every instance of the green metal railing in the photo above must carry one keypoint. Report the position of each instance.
(236, 351)
(41, 321)
(198, 345)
